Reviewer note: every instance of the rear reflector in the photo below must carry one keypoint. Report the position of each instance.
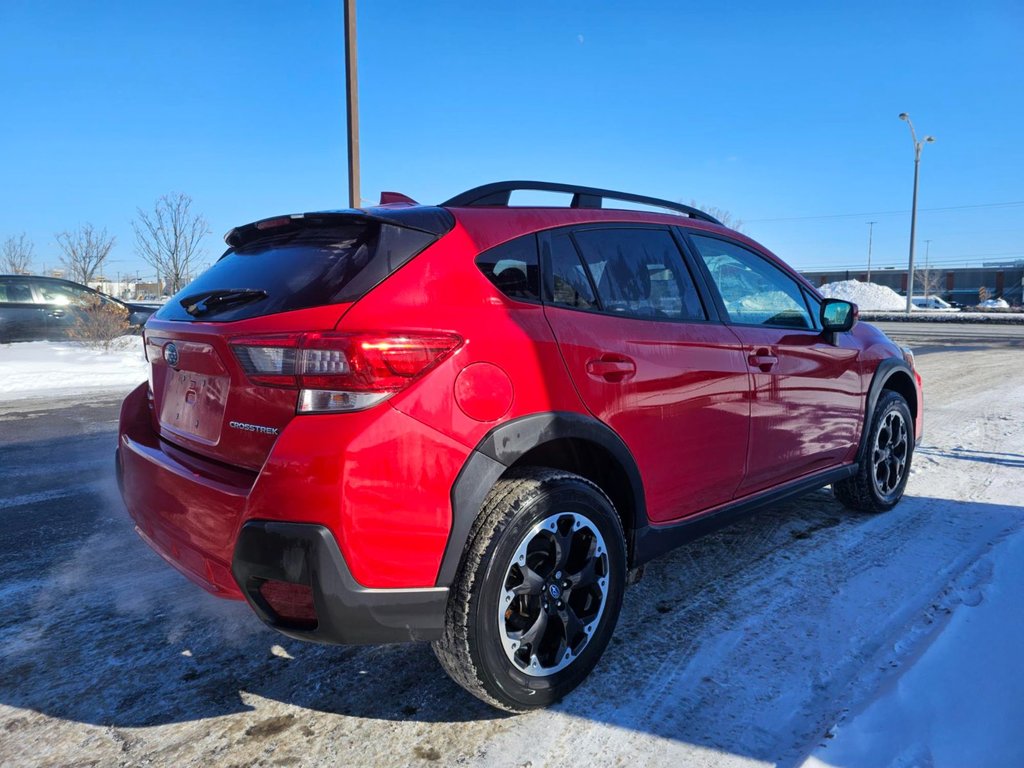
(292, 603)
(341, 371)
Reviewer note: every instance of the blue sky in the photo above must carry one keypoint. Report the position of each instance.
(777, 114)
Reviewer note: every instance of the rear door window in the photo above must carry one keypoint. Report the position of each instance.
(571, 285)
(297, 269)
(62, 295)
(640, 272)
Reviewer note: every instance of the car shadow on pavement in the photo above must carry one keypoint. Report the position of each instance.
(732, 642)
(966, 454)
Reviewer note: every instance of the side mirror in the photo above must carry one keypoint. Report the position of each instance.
(838, 316)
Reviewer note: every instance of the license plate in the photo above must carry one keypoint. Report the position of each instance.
(188, 407)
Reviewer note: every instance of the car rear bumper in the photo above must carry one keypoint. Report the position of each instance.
(182, 508)
(346, 612)
(368, 551)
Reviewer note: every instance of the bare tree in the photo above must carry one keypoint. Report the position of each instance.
(928, 281)
(169, 237)
(16, 255)
(85, 250)
(721, 214)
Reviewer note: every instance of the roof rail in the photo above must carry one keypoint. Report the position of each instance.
(498, 194)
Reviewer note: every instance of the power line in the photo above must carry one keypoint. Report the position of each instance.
(953, 261)
(887, 213)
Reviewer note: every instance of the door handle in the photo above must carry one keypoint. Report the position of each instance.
(57, 313)
(763, 360)
(611, 368)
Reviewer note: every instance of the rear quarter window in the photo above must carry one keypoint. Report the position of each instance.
(513, 268)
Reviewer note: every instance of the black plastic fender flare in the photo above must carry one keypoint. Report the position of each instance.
(885, 371)
(502, 447)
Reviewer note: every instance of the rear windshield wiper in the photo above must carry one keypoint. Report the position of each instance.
(201, 303)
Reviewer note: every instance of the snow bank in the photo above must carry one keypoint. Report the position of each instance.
(994, 304)
(42, 368)
(867, 296)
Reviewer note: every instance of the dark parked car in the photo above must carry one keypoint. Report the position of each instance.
(467, 423)
(36, 308)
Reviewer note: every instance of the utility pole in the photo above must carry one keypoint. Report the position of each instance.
(871, 229)
(913, 207)
(352, 103)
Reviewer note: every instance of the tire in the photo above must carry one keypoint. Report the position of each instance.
(882, 476)
(543, 538)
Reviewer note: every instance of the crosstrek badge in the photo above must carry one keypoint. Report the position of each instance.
(254, 428)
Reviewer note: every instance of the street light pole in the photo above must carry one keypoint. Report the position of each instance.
(352, 103)
(871, 230)
(913, 207)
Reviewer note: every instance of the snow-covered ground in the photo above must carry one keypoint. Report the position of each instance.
(60, 368)
(960, 703)
(803, 634)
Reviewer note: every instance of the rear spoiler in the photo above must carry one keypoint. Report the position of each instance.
(429, 219)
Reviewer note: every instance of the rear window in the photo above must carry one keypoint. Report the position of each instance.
(298, 269)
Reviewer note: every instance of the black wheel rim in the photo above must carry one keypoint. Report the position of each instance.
(890, 453)
(553, 594)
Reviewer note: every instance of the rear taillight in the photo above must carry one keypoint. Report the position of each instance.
(341, 371)
(152, 352)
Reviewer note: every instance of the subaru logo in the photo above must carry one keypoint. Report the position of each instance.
(555, 591)
(171, 355)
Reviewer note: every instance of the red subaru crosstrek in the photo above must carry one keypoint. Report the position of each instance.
(470, 423)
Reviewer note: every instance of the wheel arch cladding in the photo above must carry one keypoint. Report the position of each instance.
(558, 440)
(901, 382)
(891, 375)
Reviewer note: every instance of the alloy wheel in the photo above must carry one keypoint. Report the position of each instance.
(553, 594)
(890, 453)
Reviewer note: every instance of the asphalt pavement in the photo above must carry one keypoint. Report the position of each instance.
(930, 337)
(56, 481)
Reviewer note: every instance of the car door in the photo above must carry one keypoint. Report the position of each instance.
(21, 318)
(64, 303)
(648, 360)
(806, 398)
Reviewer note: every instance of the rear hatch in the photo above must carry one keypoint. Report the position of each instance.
(223, 351)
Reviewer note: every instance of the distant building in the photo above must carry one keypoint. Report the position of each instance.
(147, 291)
(959, 284)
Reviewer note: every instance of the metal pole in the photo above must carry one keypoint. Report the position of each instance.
(913, 208)
(913, 227)
(871, 229)
(352, 103)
